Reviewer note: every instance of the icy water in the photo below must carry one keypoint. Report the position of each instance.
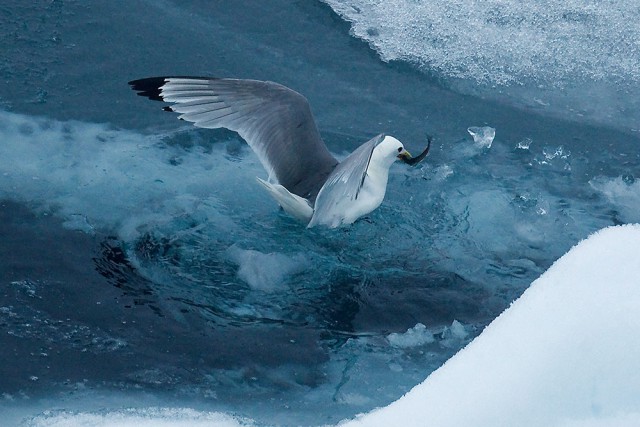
(141, 264)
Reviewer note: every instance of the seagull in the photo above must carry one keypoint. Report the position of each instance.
(303, 176)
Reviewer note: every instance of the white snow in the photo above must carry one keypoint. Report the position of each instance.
(562, 355)
(151, 417)
(501, 41)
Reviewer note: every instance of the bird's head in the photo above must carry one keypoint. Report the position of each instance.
(394, 149)
(390, 149)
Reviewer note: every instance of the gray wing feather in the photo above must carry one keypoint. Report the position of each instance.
(274, 120)
(344, 183)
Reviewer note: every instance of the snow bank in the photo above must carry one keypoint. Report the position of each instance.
(561, 355)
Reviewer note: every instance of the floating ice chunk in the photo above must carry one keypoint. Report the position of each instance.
(455, 332)
(524, 144)
(414, 337)
(266, 272)
(482, 136)
(396, 367)
(27, 286)
(486, 48)
(107, 344)
(453, 335)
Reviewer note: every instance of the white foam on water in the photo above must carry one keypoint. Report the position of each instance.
(205, 200)
(623, 193)
(95, 176)
(266, 272)
(174, 192)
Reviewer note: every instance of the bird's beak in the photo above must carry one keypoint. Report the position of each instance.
(404, 155)
(412, 161)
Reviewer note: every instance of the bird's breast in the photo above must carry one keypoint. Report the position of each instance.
(370, 196)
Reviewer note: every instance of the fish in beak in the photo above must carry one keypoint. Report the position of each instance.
(406, 157)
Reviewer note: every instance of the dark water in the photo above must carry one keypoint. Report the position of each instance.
(138, 258)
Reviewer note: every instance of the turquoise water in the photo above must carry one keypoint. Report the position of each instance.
(141, 264)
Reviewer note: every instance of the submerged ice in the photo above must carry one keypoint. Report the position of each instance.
(152, 417)
(574, 58)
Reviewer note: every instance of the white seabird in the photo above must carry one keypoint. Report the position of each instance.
(276, 122)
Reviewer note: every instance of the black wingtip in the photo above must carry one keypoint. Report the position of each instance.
(169, 109)
(149, 87)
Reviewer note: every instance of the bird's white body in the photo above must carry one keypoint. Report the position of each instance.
(347, 210)
(374, 186)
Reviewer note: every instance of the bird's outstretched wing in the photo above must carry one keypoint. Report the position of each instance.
(343, 185)
(274, 120)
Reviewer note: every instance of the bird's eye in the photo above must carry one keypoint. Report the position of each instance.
(399, 149)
